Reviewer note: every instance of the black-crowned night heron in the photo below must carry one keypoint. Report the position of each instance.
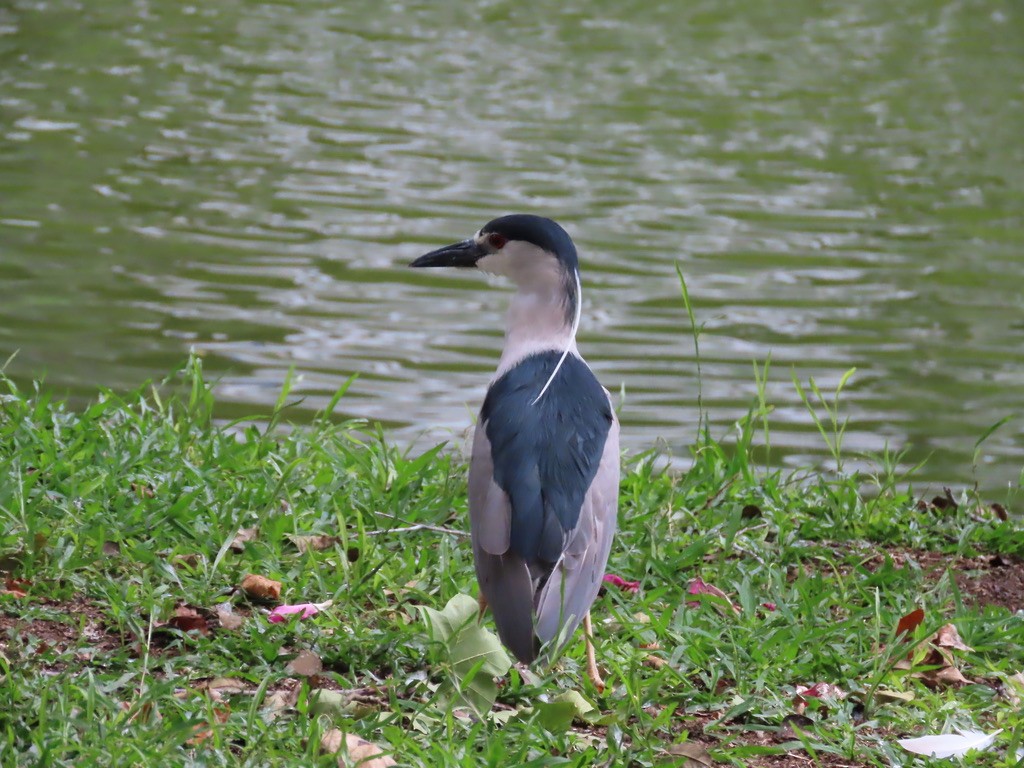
(544, 474)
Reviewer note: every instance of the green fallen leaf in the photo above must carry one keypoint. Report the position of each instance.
(337, 704)
(558, 714)
(456, 614)
(477, 657)
(474, 656)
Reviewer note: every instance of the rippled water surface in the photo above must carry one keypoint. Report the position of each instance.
(842, 186)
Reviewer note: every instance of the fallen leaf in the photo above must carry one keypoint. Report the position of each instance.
(1000, 512)
(227, 617)
(949, 744)
(313, 543)
(693, 754)
(282, 699)
(944, 502)
(944, 672)
(304, 611)
(243, 536)
(190, 560)
(15, 587)
(363, 754)
(944, 677)
(305, 664)
(910, 622)
(475, 656)
(621, 583)
(698, 586)
(187, 619)
(221, 687)
(557, 715)
(891, 695)
(111, 548)
(823, 691)
(331, 741)
(203, 731)
(355, 704)
(1014, 688)
(948, 637)
(260, 587)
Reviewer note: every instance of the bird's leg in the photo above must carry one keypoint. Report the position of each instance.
(592, 671)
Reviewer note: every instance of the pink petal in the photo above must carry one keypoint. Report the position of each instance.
(621, 583)
(282, 612)
(769, 606)
(820, 691)
(700, 587)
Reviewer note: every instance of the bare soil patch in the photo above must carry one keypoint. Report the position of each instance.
(983, 580)
(82, 629)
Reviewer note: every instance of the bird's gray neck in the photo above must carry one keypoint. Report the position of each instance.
(540, 318)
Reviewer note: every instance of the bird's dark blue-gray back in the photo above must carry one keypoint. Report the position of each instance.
(545, 453)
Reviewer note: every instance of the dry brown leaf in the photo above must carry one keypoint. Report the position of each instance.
(187, 619)
(944, 677)
(220, 687)
(1013, 690)
(15, 587)
(948, 637)
(306, 664)
(260, 587)
(111, 548)
(283, 698)
(190, 560)
(693, 754)
(886, 694)
(204, 731)
(243, 536)
(364, 754)
(228, 618)
(331, 741)
(910, 622)
(313, 543)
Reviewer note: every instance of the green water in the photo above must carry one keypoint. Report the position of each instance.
(841, 183)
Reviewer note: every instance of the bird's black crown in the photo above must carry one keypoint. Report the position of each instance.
(540, 231)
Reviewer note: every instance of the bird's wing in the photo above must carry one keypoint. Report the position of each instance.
(543, 494)
(490, 512)
(544, 454)
(504, 577)
(576, 579)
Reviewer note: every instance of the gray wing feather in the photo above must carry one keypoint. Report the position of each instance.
(576, 579)
(490, 511)
(504, 578)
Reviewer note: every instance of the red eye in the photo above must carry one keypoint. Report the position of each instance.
(496, 241)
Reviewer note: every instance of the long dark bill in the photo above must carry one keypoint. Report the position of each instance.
(464, 254)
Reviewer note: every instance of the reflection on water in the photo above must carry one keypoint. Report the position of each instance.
(841, 187)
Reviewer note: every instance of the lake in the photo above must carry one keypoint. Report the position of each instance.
(842, 185)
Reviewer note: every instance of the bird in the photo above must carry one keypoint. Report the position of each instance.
(544, 467)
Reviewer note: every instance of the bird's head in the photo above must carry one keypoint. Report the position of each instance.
(531, 250)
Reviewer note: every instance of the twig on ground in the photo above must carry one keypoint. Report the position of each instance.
(413, 528)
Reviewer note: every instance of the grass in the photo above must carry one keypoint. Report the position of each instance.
(115, 515)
